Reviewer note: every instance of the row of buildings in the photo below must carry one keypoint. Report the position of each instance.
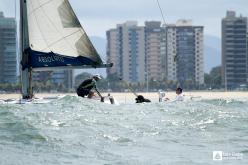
(175, 52)
(154, 52)
(171, 52)
(8, 47)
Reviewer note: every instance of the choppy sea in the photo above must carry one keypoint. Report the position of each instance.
(78, 131)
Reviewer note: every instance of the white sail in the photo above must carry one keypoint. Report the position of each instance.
(54, 27)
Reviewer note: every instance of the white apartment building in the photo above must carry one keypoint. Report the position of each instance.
(155, 38)
(185, 56)
(142, 53)
(126, 49)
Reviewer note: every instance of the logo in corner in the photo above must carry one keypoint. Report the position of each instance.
(217, 155)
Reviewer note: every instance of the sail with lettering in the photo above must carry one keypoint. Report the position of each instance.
(52, 38)
(56, 37)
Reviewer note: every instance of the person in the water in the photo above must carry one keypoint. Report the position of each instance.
(179, 97)
(86, 87)
(141, 99)
(179, 92)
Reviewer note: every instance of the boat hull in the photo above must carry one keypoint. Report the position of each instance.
(45, 100)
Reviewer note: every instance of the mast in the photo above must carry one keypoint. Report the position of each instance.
(26, 74)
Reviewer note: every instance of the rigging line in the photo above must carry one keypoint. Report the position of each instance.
(161, 11)
(15, 9)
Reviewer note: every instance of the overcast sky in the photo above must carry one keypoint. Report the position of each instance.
(97, 16)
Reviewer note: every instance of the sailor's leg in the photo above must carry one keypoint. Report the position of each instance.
(91, 94)
(82, 92)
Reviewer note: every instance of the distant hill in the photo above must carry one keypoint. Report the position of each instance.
(212, 52)
(100, 45)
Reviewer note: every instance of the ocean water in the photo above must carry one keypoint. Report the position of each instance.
(78, 131)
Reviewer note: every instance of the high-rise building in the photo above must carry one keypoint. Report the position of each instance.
(126, 49)
(113, 51)
(185, 57)
(155, 50)
(247, 53)
(8, 55)
(234, 50)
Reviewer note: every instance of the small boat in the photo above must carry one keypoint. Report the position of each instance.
(51, 37)
(34, 100)
(45, 100)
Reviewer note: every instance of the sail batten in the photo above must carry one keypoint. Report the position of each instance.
(54, 28)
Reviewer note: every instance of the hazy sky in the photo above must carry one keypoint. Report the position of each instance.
(97, 16)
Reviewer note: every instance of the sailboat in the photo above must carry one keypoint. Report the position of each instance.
(51, 37)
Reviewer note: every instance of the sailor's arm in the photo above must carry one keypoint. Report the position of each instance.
(98, 92)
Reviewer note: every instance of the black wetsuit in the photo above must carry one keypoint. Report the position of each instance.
(85, 87)
(141, 99)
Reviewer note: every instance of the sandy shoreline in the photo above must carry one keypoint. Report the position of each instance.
(126, 97)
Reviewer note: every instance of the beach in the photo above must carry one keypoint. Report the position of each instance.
(189, 95)
(127, 97)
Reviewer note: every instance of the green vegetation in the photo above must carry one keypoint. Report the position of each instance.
(213, 79)
(114, 84)
(9, 88)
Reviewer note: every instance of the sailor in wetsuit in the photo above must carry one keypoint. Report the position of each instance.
(85, 88)
(179, 97)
